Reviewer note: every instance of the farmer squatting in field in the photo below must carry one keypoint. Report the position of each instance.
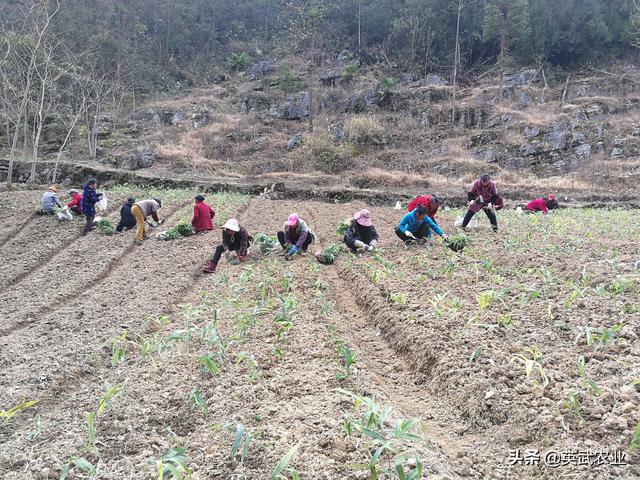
(50, 201)
(235, 238)
(75, 204)
(416, 225)
(202, 215)
(431, 202)
(361, 235)
(295, 235)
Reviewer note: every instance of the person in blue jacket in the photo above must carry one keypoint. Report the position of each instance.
(89, 199)
(416, 225)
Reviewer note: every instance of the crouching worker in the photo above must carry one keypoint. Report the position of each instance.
(361, 235)
(235, 238)
(202, 216)
(416, 225)
(50, 201)
(483, 196)
(75, 205)
(127, 220)
(431, 202)
(295, 235)
(141, 210)
(543, 204)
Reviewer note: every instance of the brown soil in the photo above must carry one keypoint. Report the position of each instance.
(423, 344)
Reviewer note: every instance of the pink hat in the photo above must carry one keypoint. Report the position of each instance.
(552, 196)
(363, 218)
(292, 221)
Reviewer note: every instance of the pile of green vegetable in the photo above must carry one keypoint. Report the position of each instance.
(344, 225)
(329, 254)
(266, 243)
(182, 229)
(458, 241)
(105, 226)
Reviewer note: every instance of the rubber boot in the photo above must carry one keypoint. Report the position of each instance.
(210, 267)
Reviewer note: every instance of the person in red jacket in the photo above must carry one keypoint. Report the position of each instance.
(542, 204)
(430, 202)
(75, 205)
(202, 215)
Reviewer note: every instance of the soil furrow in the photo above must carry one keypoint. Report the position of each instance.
(17, 231)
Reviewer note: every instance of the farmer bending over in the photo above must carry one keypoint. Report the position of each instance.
(141, 210)
(431, 202)
(75, 205)
(417, 225)
(361, 235)
(483, 196)
(542, 204)
(295, 235)
(235, 238)
(202, 216)
(127, 220)
(50, 201)
(89, 199)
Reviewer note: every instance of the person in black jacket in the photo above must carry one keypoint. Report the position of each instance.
(361, 235)
(127, 220)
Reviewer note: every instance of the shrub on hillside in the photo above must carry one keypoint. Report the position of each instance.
(329, 157)
(287, 81)
(364, 130)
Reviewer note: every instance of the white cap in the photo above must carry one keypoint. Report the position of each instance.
(232, 224)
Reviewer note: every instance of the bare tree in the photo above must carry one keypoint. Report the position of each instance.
(307, 27)
(456, 61)
(40, 16)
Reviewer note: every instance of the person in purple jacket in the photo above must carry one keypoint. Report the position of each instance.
(482, 196)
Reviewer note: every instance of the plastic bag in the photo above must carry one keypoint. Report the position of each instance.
(473, 223)
(64, 214)
(102, 204)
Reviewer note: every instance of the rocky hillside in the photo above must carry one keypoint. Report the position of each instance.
(381, 128)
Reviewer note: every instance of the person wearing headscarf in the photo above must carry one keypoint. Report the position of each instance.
(235, 238)
(202, 215)
(361, 235)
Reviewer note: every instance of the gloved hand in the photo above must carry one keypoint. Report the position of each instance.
(373, 244)
(409, 234)
(161, 221)
(368, 248)
(292, 251)
(444, 236)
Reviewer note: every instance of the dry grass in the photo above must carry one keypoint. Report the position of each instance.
(364, 130)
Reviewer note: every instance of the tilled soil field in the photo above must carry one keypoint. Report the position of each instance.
(518, 358)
